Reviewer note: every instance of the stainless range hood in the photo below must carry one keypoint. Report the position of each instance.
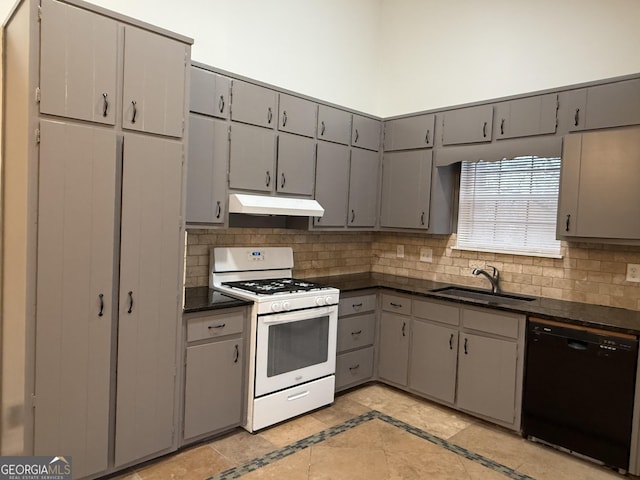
(268, 205)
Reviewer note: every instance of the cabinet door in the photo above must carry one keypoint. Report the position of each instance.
(253, 104)
(599, 194)
(252, 158)
(75, 298)
(296, 164)
(408, 133)
(151, 253)
(77, 63)
(213, 394)
(365, 133)
(434, 359)
(363, 188)
(527, 116)
(467, 125)
(207, 172)
(210, 93)
(613, 105)
(332, 184)
(334, 125)
(487, 376)
(393, 348)
(297, 115)
(406, 187)
(154, 83)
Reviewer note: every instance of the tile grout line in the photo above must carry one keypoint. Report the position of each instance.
(264, 460)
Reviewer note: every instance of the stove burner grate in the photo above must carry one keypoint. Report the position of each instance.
(275, 285)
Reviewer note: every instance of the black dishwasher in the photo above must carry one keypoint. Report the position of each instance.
(579, 389)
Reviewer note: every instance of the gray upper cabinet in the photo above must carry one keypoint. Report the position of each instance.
(363, 188)
(207, 172)
(253, 104)
(365, 133)
(334, 125)
(467, 125)
(210, 93)
(154, 83)
(599, 195)
(409, 133)
(72, 83)
(252, 158)
(296, 164)
(406, 188)
(602, 106)
(332, 184)
(297, 115)
(527, 116)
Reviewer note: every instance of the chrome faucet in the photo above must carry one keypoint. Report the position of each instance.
(493, 278)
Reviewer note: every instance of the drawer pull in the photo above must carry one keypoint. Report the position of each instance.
(298, 395)
(222, 325)
(356, 333)
(357, 305)
(396, 305)
(355, 367)
(130, 302)
(135, 111)
(101, 312)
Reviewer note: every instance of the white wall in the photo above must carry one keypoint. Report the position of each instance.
(439, 53)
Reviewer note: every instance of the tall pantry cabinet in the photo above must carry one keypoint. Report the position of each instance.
(93, 234)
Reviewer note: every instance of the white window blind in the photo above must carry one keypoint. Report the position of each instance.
(509, 206)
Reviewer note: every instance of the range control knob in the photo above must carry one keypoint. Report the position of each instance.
(286, 306)
(328, 300)
(320, 301)
(276, 307)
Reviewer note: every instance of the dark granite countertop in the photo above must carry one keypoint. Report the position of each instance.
(199, 299)
(610, 318)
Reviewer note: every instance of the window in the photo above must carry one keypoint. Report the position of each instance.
(510, 206)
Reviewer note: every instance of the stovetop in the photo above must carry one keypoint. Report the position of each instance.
(273, 286)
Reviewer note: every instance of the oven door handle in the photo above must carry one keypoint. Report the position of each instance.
(297, 315)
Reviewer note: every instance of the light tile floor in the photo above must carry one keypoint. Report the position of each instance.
(379, 447)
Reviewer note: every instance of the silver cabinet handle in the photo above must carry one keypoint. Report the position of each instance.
(269, 115)
(484, 130)
(502, 127)
(422, 218)
(404, 326)
(284, 118)
(101, 312)
(135, 111)
(105, 104)
(221, 104)
(268, 182)
(283, 181)
(236, 354)
(451, 342)
(353, 215)
(322, 128)
(130, 302)
(355, 140)
(576, 118)
(568, 222)
(466, 352)
(426, 137)
(218, 209)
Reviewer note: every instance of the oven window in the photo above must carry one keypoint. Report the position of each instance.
(297, 345)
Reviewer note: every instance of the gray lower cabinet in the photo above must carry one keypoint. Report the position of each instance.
(599, 195)
(527, 116)
(297, 115)
(210, 93)
(406, 189)
(252, 158)
(467, 125)
(409, 133)
(395, 326)
(207, 172)
(334, 125)
(356, 337)
(253, 104)
(214, 394)
(332, 184)
(601, 106)
(365, 133)
(296, 164)
(363, 188)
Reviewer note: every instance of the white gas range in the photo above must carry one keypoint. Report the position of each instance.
(293, 331)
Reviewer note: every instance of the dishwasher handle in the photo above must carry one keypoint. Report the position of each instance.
(576, 344)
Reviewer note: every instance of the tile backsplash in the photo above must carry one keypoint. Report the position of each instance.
(589, 273)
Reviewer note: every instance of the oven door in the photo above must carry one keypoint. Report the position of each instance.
(295, 347)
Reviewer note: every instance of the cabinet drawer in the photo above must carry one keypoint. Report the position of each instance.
(502, 324)
(438, 312)
(355, 332)
(212, 326)
(393, 303)
(359, 304)
(354, 367)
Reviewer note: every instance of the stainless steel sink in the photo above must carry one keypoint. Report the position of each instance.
(481, 295)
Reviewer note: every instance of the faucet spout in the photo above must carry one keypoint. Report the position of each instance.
(493, 277)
